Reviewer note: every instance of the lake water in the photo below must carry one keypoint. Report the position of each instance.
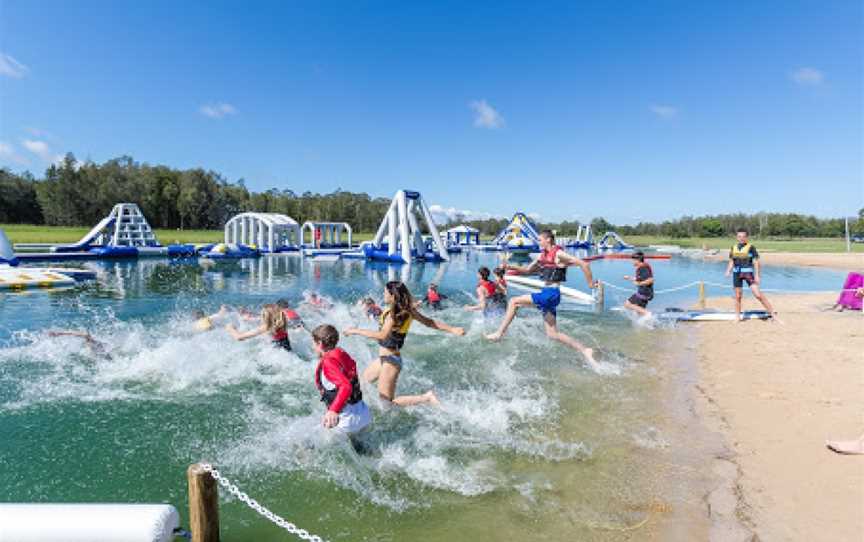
(528, 442)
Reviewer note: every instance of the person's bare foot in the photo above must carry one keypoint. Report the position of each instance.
(850, 447)
(431, 398)
(494, 336)
(589, 357)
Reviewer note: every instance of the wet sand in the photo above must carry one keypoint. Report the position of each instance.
(776, 392)
(844, 261)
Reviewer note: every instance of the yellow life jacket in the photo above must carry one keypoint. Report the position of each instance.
(741, 258)
(396, 339)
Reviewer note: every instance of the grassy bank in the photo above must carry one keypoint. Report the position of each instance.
(765, 245)
(28, 233)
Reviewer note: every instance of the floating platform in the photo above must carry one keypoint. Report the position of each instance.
(710, 316)
(534, 284)
(22, 278)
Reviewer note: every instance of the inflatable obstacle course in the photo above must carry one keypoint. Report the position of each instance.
(519, 235)
(124, 233)
(399, 238)
(612, 241)
(13, 277)
(266, 232)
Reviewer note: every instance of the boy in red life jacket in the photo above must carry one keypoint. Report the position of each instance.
(337, 382)
(433, 297)
(370, 308)
(644, 281)
(552, 267)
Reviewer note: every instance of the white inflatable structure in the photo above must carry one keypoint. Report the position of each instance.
(125, 226)
(399, 238)
(88, 522)
(269, 232)
(518, 235)
(7, 254)
(331, 234)
(463, 235)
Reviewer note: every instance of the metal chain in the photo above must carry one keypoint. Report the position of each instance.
(262, 510)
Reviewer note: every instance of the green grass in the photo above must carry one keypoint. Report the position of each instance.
(765, 245)
(29, 233)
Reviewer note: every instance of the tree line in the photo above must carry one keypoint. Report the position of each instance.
(76, 194)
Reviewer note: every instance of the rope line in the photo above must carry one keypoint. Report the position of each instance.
(262, 510)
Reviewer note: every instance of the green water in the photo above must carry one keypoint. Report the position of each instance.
(528, 442)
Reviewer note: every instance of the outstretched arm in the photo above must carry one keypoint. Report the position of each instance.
(437, 324)
(260, 330)
(481, 301)
(571, 260)
(523, 269)
(378, 335)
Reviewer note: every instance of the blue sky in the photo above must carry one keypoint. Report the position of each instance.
(631, 111)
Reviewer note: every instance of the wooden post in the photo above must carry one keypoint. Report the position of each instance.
(601, 297)
(203, 505)
(701, 295)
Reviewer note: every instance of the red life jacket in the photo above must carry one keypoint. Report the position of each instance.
(340, 366)
(280, 334)
(433, 296)
(290, 314)
(549, 270)
(489, 286)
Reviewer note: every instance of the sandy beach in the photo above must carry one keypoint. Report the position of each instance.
(846, 261)
(776, 391)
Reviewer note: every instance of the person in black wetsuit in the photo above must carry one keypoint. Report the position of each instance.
(744, 267)
(644, 281)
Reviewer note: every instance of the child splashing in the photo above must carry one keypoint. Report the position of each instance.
(552, 266)
(394, 324)
(489, 296)
(273, 321)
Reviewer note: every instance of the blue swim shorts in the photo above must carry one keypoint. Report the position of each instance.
(547, 300)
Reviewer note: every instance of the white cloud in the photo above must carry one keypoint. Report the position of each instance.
(485, 116)
(11, 67)
(217, 110)
(808, 76)
(40, 149)
(664, 111)
(443, 214)
(8, 154)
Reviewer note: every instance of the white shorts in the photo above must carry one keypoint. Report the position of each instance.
(353, 418)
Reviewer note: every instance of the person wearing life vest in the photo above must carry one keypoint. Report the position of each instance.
(489, 299)
(337, 382)
(644, 281)
(501, 282)
(292, 319)
(393, 328)
(744, 267)
(370, 308)
(552, 267)
(433, 297)
(273, 322)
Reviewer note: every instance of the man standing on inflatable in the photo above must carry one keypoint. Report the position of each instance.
(744, 267)
(552, 267)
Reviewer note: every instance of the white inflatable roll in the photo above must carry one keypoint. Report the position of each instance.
(88, 522)
(571, 293)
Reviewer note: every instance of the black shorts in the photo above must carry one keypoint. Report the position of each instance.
(738, 279)
(639, 300)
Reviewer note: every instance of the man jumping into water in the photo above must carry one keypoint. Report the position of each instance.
(552, 266)
(744, 267)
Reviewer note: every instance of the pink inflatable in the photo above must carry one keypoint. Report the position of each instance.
(847, 297)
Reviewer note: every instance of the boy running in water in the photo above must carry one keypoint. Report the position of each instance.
(552, 266)
(744, 267)
(433, 297)
(644, 281)
(346, 411)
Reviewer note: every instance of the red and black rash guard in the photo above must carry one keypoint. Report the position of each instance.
(341, 371)
(433, 296)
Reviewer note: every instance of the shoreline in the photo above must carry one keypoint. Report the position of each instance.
(841, 261)
(775, 392)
